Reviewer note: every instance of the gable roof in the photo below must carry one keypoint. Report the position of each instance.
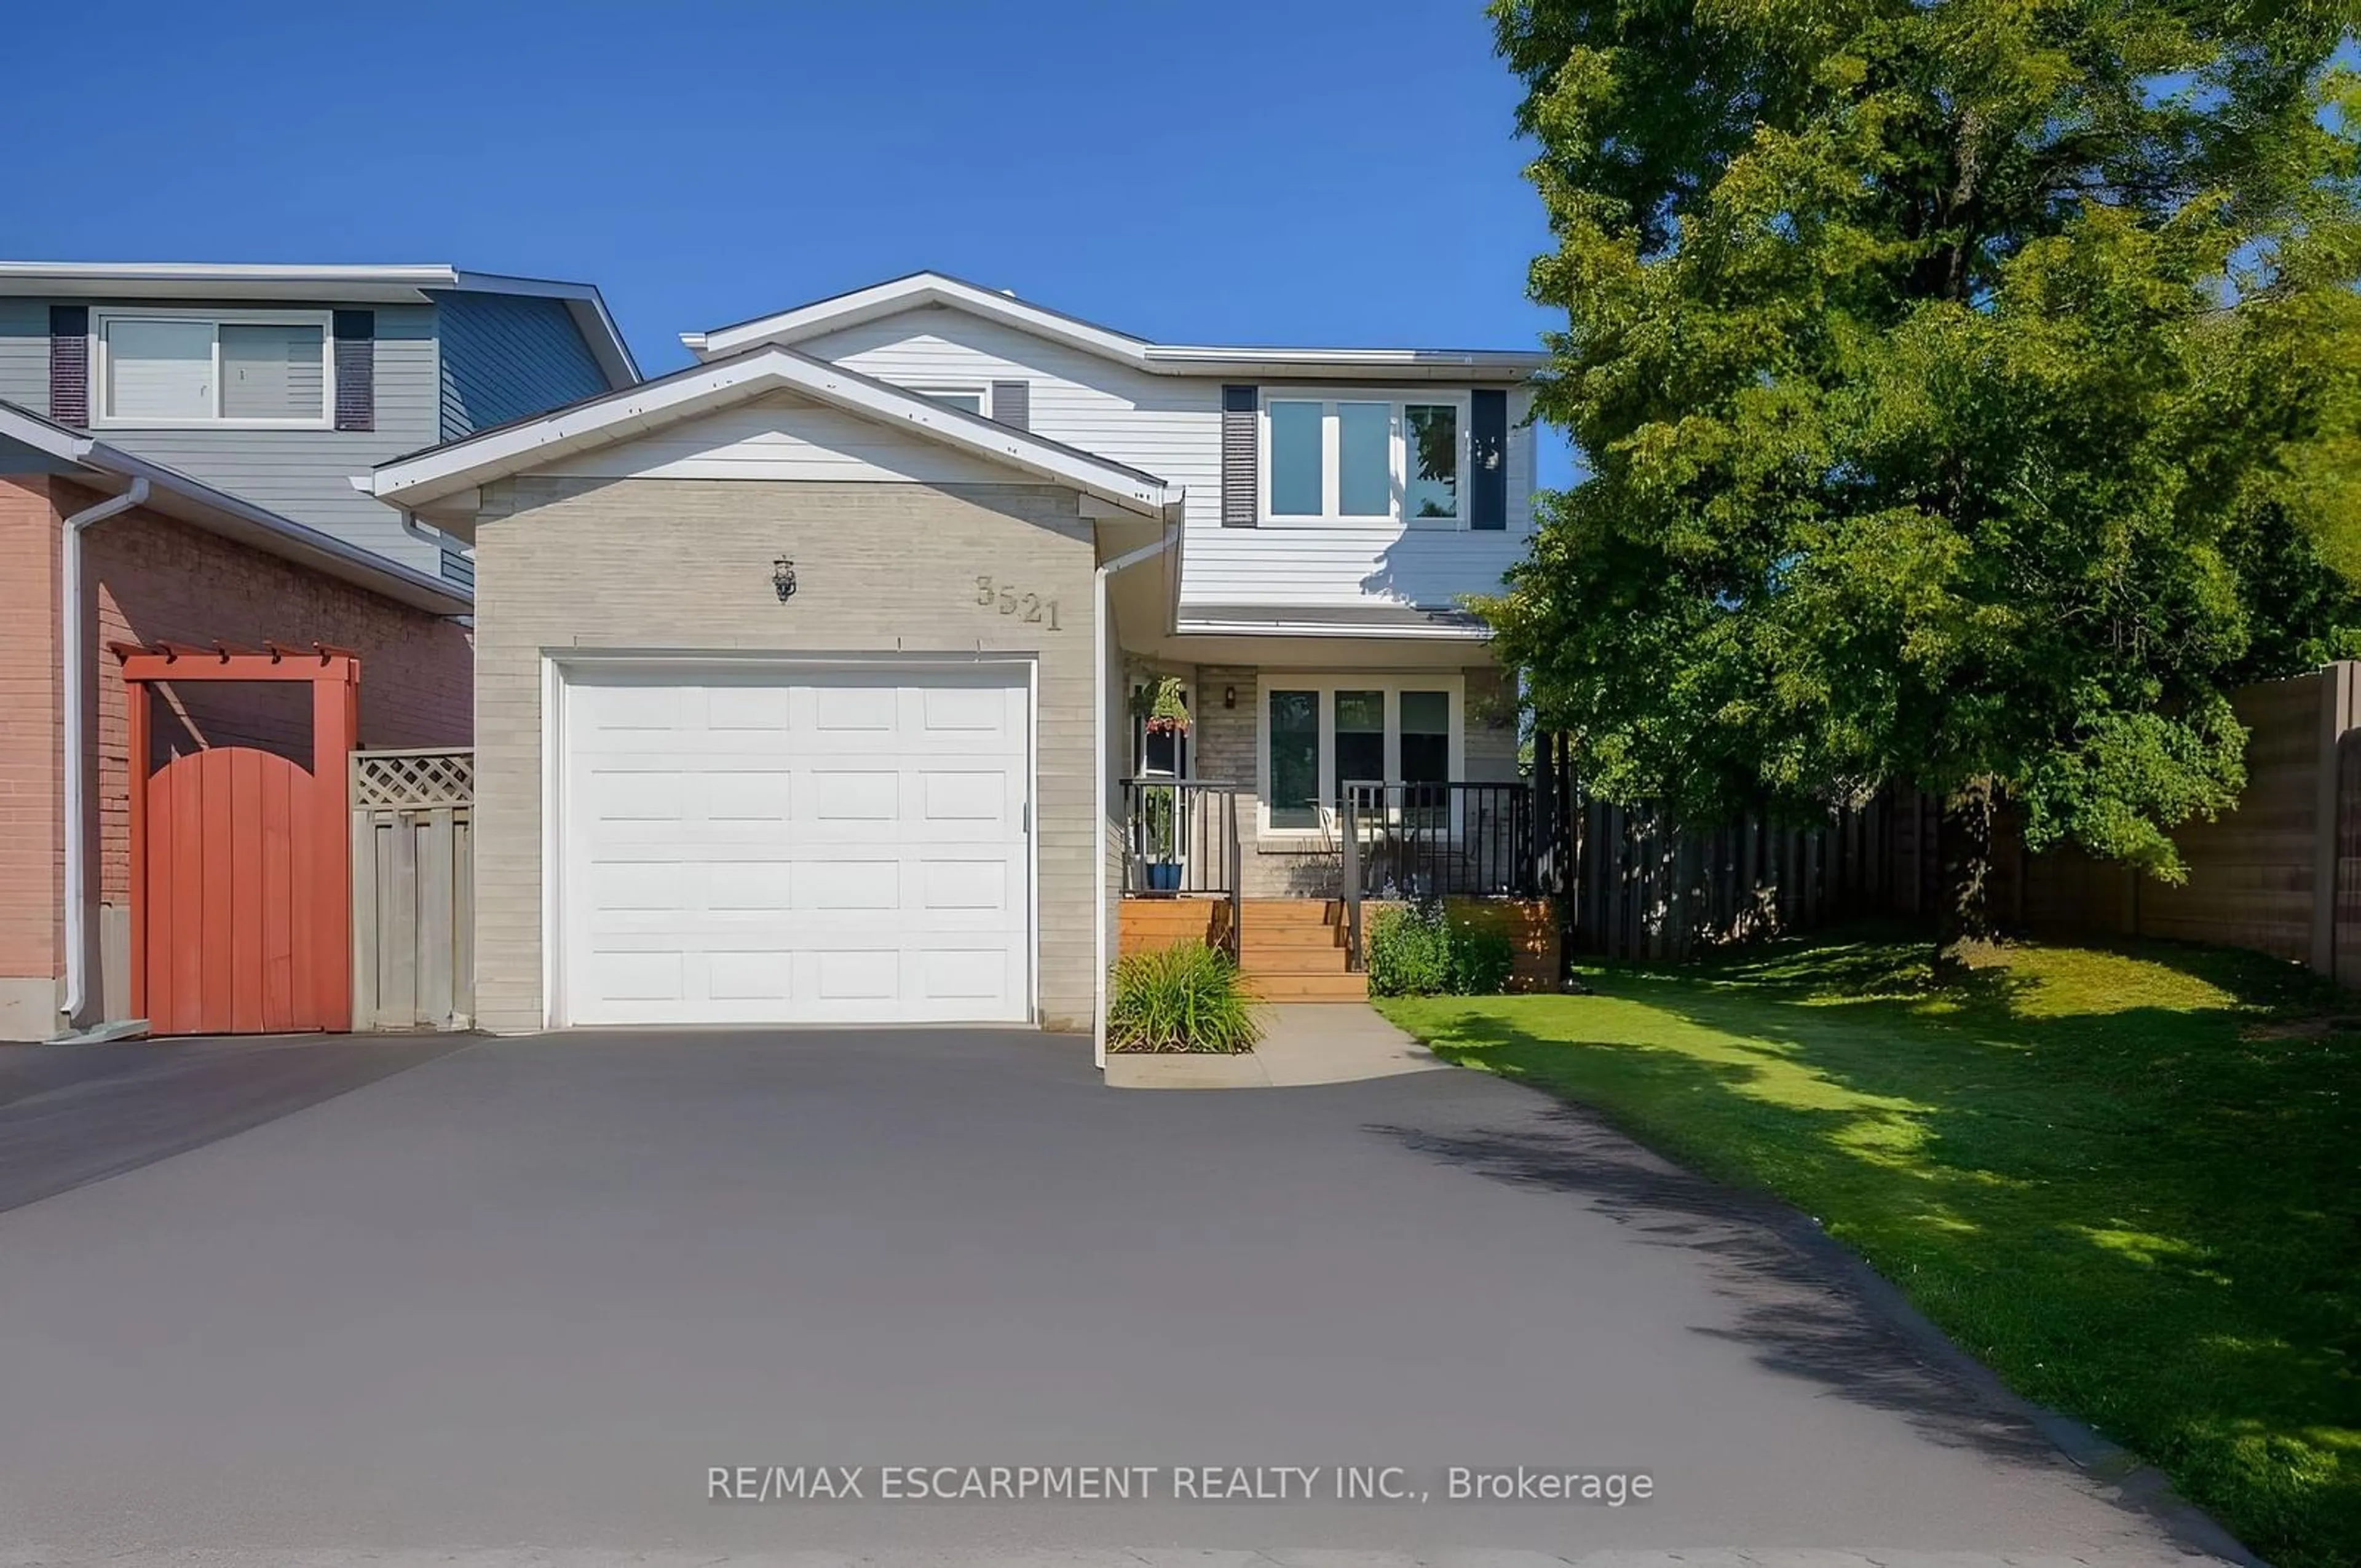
(924, 288)
(31, 443)
(413, 283)
(421, 478)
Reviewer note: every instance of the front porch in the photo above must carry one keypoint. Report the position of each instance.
(1198, 865)
(1271, 790)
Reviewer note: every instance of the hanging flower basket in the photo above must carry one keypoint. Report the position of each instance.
(1160, 706)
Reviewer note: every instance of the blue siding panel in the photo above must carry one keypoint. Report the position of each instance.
(507, 356)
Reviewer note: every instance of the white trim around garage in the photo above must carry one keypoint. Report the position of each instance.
(557, 663)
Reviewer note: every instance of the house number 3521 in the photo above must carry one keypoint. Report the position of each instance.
(1016, 602)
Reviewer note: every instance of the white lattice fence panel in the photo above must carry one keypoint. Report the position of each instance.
(407, 780)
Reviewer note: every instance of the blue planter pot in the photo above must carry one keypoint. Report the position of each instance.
(1163, 876)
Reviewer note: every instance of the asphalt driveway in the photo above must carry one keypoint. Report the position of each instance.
(530, 1294)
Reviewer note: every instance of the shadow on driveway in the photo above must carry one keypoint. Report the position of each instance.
(73, 1114)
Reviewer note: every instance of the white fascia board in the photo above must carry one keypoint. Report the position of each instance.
(922, 289)
(1185, 627)
(413, 483)
(899, 294)
(1353, 364)
(167, 280)
(425, 275)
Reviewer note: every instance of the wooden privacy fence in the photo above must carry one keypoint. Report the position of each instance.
(414, 889)
(2280, 873)
(1643, 886)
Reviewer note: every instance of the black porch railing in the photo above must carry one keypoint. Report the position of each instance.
(1435, 840)
(1181, 838)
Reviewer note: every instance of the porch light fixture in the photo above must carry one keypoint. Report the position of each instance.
(1229, 696)
(783, 578)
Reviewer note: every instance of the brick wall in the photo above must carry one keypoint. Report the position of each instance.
(161, 581)
(156, 579)
(31, 863)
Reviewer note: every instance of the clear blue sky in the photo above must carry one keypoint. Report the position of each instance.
(1205, 171)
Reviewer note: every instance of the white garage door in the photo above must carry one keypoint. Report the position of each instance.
(773, 846)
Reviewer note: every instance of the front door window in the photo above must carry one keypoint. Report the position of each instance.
(1320, 739)
(1294, 757)
(1360, 739)
(1425, 750)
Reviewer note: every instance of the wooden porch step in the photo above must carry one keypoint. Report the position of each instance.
(1328, 961)
(1275, 913)
(1311, 939)
(1143, 924)
(1146, 915)
(1309, 987)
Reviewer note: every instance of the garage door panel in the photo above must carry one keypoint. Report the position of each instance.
(846, 794)
(775, 845)
(848, 883)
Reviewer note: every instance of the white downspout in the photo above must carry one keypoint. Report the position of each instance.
(1098, 731)
(78, 635)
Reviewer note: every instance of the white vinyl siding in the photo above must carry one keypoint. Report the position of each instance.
(1171, 427)
(243, 369)
(783, 437)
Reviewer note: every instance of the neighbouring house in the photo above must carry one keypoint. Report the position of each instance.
(176, 444)
(276, 383)
(162, 559)
(841, 676)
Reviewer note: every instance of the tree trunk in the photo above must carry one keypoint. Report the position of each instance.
(1966, 838)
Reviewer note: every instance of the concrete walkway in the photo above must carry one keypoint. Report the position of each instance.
(1309, 1042)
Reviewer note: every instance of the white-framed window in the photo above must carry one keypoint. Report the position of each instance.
(968, 400)
(1348, 456)
(255, 369)
(1317, 733)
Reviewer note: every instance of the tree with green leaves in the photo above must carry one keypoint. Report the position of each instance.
(1968, 393)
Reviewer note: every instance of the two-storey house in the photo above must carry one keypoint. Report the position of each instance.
(177, 442)
(874, 667)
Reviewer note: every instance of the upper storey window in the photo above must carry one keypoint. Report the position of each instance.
(256, 369)
(1356, 458)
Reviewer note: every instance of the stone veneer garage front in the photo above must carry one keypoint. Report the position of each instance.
(685, 566)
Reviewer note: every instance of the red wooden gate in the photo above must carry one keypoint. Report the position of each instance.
(241, 918)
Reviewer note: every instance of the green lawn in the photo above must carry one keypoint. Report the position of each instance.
(2129, 1180)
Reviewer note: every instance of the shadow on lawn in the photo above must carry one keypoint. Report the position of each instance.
(2140, 1202)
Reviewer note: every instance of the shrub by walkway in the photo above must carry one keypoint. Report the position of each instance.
(2130, 1181)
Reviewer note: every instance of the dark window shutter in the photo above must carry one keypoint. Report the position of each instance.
(1240, 500)
(70, 364)
(1011, 403)
(355, 369)
(1487, 505)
